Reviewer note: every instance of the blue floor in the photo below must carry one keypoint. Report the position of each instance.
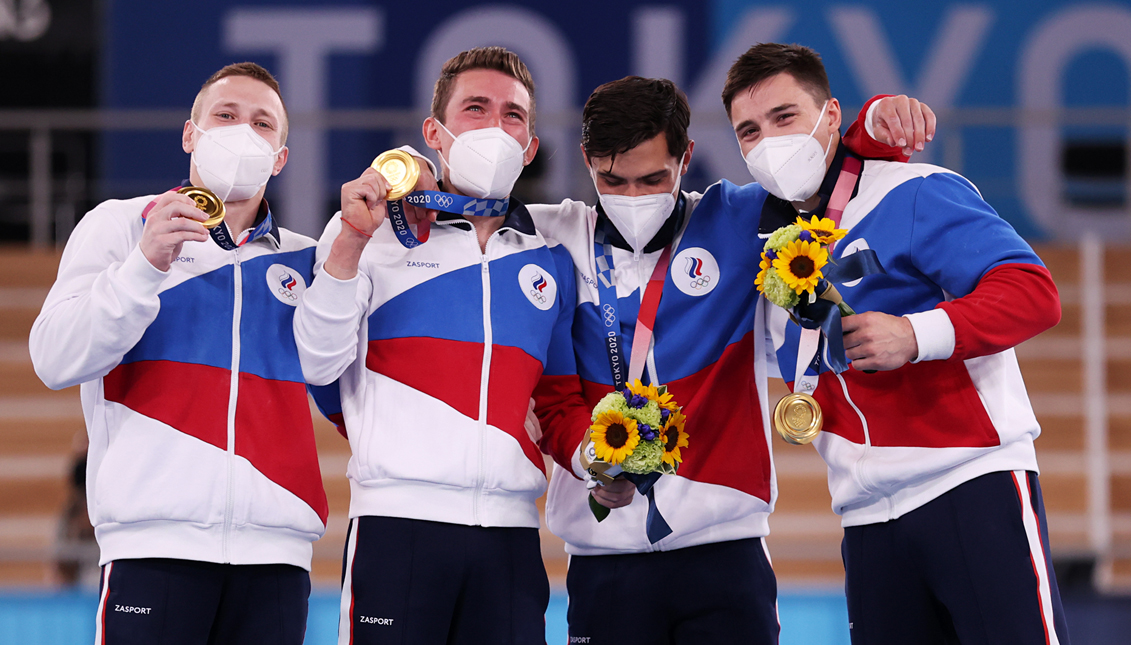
(817, 617)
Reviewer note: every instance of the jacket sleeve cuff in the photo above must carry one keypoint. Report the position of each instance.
(868, 128)
(138, 273)
(934, 333)
(578, 471)
(332, 293)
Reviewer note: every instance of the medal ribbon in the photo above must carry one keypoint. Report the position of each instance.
(220, 234)
(646, 319)
(447, 202)
(824, 314)
(654, 526)
(607, 298)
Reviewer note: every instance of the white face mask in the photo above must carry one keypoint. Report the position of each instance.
(790, 166)
(637, 218)
(233, 161)
(484, 163)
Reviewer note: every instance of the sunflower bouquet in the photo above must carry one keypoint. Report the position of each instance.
(792, 263)
(797, 274)
(637, 434)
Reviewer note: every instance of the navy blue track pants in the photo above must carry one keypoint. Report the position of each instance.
(723, 593)
(184, 602)
(415, 582)
(971, 566)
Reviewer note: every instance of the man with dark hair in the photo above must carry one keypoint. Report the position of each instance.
(929, 435)
(710, 580)
(202, 478)
(438, 347)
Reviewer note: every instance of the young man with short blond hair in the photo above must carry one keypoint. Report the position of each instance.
(202, 477)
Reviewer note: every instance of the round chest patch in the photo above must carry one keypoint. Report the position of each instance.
(695, 271)
(285, 284)
(538, 286)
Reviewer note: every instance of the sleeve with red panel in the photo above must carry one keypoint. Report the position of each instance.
(1002, 293)
(858, 141)
(558, 402)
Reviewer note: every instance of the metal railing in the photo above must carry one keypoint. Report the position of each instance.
(42, 124)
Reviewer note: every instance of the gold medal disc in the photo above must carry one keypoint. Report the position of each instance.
(208, 202)
(400, 171)
(797, 418)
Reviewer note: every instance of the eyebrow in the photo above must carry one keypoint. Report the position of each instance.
(782, 108)
(256, 112)
(510, 105)
(659, 174)
(749, 122)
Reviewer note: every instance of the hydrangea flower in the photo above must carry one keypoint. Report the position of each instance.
(645, 458)
(778, 291)
(783, 236)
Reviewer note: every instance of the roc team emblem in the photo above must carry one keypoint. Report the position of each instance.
(538, 286)
(695, 271)
(285, 284)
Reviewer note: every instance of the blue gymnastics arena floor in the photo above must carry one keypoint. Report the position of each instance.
(808, 617)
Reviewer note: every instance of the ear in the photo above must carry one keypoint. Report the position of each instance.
(280, 161)
(431, 132)
(687, 157)
(585, 157)
(834, 115)
(530, 152)
(186, 137)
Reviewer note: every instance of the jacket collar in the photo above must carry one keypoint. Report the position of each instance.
(264, 225)
(517, 218)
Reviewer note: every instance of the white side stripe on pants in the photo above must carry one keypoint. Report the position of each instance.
(1036, 553)
(100, 617)
(345, 613)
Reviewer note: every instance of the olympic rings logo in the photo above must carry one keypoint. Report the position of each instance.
(443, 201)
(701, 283)
(537, 295)
(610, 315)
(287, 294)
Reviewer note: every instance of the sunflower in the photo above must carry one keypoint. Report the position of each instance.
(652, 393)
(799, 264)
(763, 266)
(614, 436)
(823, 229)
(674, 438)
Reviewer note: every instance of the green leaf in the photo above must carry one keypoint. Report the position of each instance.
(599, 512)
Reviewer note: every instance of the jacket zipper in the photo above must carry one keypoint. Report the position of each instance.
(233, 396)
(485, 371)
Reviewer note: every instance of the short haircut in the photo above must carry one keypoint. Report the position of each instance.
(621, 115)
(766, 60)
(497, 58)
(250, 70)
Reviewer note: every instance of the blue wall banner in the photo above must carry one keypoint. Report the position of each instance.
(999, 73)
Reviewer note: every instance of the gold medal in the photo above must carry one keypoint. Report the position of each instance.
(400, 171)
(208, 202)
(797, 418)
